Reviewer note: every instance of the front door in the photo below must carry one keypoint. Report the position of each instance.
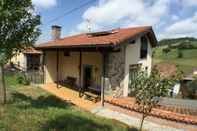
(87, 76)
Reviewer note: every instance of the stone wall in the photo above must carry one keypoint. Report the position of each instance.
(115, 73)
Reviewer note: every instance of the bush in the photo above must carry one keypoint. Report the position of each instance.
(166, 50)
(192, 88)
(21, 79)
(180, 54)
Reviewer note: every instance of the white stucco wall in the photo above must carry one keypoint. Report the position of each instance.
(132, 56)
(19, 59)
(69, 65)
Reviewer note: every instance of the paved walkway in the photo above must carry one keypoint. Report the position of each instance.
(175, 113)
(129, 120)
(72, 96)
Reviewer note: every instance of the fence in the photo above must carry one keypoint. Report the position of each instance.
(35, 77)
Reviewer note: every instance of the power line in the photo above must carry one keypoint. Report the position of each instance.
(71, 11)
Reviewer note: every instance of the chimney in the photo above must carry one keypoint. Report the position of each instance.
(56, 32)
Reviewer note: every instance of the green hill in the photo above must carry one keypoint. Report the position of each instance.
(181, 52)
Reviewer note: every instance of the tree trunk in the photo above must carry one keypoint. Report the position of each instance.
(142, 121)
(2, 85)
(143, 117)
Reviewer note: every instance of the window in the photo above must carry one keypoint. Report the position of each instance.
(66, 53)
(144, 47)
(131, 41)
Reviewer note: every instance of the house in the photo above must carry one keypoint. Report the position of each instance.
(106, 60)
(27, 60)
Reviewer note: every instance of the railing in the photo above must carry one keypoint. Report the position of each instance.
(35, 77)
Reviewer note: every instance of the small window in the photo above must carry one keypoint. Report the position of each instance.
(144, 48)
(131, 42)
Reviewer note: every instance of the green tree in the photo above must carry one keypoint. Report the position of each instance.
(192, 89)
(147, 88)
(180, 54)
(18, 30)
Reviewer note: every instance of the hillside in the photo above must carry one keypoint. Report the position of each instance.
(181, 52)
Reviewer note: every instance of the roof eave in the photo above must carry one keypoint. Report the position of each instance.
(75, 46)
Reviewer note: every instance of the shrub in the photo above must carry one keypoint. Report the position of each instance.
(192, 88)
(166, 50)
(180, 54)
(21, 79)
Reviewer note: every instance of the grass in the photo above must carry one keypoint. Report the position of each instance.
(185, 64)
(32, 109)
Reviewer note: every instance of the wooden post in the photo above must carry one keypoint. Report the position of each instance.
(80, 73)
(57, 66)
(43, 66)
(103, 80)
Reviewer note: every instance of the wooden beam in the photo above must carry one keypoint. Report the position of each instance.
(80, 73)
(44, 66)
(86, 49)
(57, 66)
(103, 79)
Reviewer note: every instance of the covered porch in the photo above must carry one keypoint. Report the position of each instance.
(80, 71)
(71, 96)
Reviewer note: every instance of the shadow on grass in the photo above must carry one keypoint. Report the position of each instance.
(40, 102)
(70, 122)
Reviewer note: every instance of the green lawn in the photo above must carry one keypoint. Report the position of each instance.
(186, 63)
(32, 109)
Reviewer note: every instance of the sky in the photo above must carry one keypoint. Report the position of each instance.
(169, 18)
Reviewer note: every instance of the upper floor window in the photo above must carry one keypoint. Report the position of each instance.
(144, 47)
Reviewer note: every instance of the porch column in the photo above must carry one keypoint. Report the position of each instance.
(57, 66)
(80, 73)
(103, 79)
(43, 70)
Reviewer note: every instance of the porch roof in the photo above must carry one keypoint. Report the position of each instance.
(100, 39)
(31, 50)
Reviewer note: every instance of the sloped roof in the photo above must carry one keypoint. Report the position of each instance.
(31, 50)
(106, 38)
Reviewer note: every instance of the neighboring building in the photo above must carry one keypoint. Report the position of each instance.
(29, 59)
(106, 59)
(195, 71)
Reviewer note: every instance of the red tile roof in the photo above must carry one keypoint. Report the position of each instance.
(99, 39)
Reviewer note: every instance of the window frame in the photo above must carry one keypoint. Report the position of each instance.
(144, 47)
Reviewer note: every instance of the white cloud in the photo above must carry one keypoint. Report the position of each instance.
(182, 28)
(124, 13)
(44, 3)
(189, 3)
(166, 21)
(175, 17)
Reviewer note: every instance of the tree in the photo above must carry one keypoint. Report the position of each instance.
(166, 50)
(180, 54)
(147, 89)
(192, 88)
(18, 30)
